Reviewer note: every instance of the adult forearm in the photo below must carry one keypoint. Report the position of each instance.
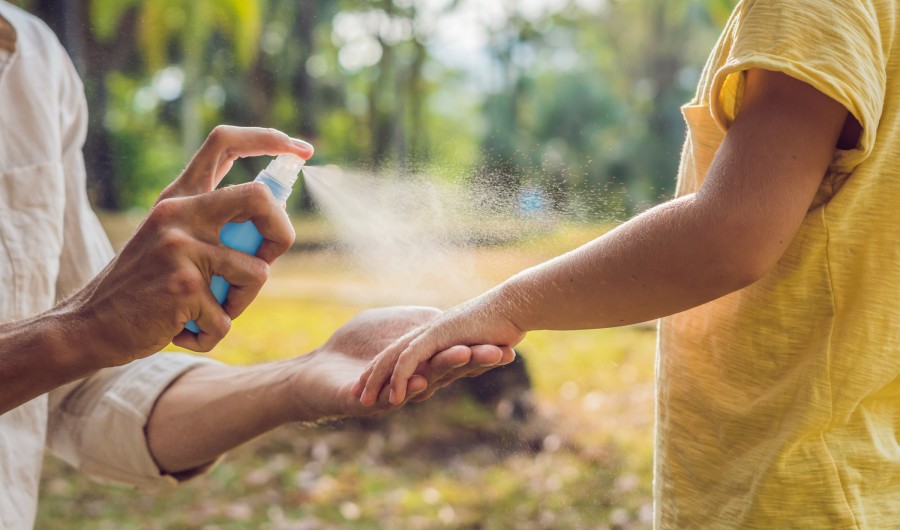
(671, 258)
(41, 353)
(212, 409)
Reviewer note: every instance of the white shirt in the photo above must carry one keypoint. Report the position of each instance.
(51, 244)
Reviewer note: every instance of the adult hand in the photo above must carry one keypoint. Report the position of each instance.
(479, 321)
(323, 379)
(213, 408)
(160, 280)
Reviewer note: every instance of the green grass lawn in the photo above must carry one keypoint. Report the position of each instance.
(582, 461)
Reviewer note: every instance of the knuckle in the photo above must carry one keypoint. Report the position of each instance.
(259, 271)
(229, 153)
(223, 326)
(218, 134)
(280, 246)
(210, 338)
(163, 211)
(259, 195)
(168, 192)
(183, 282)
(206, 344)
(291, 234)
(173, 241)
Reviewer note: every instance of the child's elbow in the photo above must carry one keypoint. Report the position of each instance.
(746, 262)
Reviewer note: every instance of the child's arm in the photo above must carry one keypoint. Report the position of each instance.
(678, 255)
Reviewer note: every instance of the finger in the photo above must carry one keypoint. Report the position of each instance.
(224, 145)
(509, 355)
(375, 383)
(486, 358)
(418, 350)
(445, 362)
(486, 355)
(433, 387)
(213, 322)
(429, 392)
(482, 359)
(436, 369)
(381, 369)
(417, 385)
(271, 249)
(381, 404)
(251, 201)
(360, 384)
(245, 273)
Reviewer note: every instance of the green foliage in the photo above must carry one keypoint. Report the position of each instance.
(106, 16)
(186, 23)
(573, 98)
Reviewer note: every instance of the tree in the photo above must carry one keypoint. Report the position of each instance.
(186, 28)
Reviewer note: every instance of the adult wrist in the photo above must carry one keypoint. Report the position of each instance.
(286, 405)
(67, 345)
(292, 390)
(81, 329)
(304, 406)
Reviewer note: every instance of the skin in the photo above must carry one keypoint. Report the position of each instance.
(212, 409)
(679, 255)
(140, 302)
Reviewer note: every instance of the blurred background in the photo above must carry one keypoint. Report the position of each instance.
(556, 93)
(559, 101)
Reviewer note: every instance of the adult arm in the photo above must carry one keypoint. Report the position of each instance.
(213, 408)
(140, 302)
(678, 255)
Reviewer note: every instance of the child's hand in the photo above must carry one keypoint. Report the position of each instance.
(479, 321)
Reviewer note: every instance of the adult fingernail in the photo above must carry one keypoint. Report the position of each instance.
(306, 146)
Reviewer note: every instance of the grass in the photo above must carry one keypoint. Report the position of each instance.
(583, 461)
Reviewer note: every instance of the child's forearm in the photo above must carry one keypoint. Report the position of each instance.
(664, 261)
(695, 249)
(684, 253)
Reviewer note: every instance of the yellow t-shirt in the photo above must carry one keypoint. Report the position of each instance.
(779, 405)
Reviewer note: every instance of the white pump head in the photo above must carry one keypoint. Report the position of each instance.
(285, 169)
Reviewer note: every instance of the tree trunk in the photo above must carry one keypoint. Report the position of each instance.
(302, 84)
(194, 47)
(381, 116)
(416, 136)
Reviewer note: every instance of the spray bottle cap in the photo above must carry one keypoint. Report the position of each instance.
(285, 169)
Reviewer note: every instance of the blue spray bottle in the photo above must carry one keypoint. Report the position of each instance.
(280, 176)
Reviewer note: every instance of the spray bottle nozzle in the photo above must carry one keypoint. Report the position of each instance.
(285, 169)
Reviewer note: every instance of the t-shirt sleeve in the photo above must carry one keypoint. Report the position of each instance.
(835, 46)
